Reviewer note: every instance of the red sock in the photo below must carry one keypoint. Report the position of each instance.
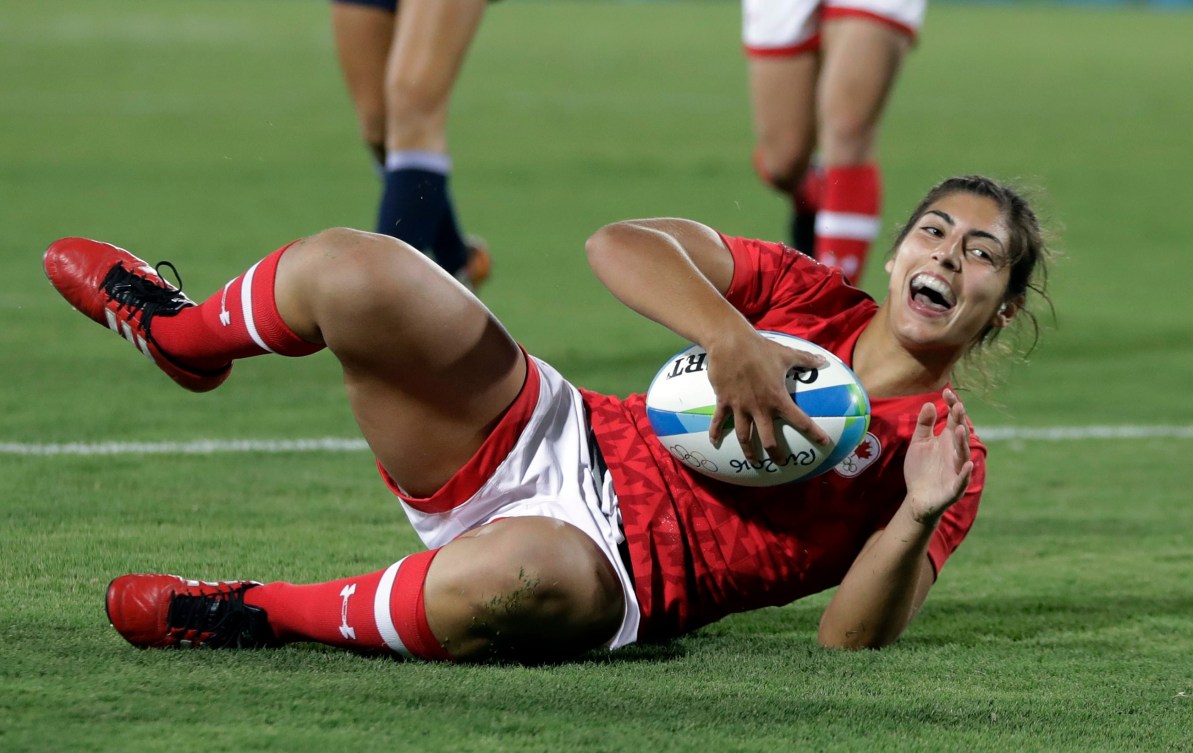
(381, 611)
(240, 320)
(848, 220)
(805, 199)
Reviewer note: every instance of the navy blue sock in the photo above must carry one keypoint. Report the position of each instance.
(413, 205)
(450, 249)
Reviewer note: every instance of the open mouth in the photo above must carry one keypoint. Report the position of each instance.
(932, 293)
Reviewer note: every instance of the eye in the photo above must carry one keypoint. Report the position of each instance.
(932, 230)
(988, 256)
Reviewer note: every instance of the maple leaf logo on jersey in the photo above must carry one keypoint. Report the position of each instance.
(861, 458)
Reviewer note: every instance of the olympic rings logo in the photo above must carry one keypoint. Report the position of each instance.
(692, 458)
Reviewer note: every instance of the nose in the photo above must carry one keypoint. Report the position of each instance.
(949, 254)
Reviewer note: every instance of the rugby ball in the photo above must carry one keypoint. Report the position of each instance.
(680, 403)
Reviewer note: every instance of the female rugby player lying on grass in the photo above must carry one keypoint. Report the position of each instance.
(554, 521)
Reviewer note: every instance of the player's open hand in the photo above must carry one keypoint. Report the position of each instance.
(749, 376)
(938, 466)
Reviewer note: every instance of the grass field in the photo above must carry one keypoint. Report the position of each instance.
(210, 132)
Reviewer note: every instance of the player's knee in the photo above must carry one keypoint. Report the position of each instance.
(416, 110)
(847, 139)
(356, 268)
(781, 166)
(573, 578)
(411, 101)
(546, 591)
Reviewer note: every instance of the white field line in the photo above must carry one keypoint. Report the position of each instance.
(1079, 433)
(192, 447)
(336, 444)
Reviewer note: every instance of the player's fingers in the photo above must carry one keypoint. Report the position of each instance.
(802, 423)
(963, 476)
(925, 422)
(768, 438)
(716, 429)
(743, 427)
(804, 359)
(956, 408)
(961, 434)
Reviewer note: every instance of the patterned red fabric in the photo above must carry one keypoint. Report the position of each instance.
(702, 549)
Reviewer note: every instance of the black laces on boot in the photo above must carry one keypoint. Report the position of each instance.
(220, 620)
(133, 291)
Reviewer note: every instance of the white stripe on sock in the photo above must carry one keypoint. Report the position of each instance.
(858, 227)
(434, 162)
(246, 307)
(381, 612)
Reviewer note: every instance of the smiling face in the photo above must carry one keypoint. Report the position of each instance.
(949, 276)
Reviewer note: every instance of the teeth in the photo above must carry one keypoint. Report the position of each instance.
(935, 284)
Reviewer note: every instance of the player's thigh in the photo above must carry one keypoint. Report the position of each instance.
(782, 97)
(424, 429)
(861, 58)
(427, 366)
(363, 35)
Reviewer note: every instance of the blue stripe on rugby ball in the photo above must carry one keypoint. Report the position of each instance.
(842, 400)
(838, 400)
(851, 437)
(666, 423)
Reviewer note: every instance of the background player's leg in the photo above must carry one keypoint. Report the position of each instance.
(861, 58)
(782, 94)
(363, 36)
(430, 43)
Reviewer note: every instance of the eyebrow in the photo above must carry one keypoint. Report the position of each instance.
(952, 223)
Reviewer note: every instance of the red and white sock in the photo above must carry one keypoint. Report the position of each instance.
(849, 217)
(239, 321)
(381, 611)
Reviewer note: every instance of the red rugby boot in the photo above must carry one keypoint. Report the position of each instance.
(166, 611)
(123, 293)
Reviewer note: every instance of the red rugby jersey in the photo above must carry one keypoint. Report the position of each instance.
(702, 549)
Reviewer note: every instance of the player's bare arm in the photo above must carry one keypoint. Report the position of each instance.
(676, 272)
(892, 575)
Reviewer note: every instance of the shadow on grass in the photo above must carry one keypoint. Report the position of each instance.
(646, 653)
(1074, 618)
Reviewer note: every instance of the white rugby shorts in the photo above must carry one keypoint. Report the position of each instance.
(549, 469)
(778, 28)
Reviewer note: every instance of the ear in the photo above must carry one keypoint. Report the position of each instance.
(890, 264)
(1006, 312)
